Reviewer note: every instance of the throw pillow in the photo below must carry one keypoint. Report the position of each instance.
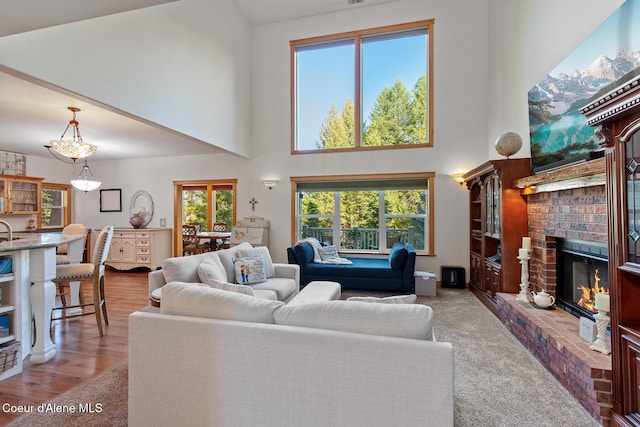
(262, 251)
(183, 299)
(328, 253)
(241, 289)
(208, 271)
(398, 256)
(396, 320)
(250, 270)
(397, 299)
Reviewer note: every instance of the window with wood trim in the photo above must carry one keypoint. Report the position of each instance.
(203, 203)
(365, 213)
(56, 205)
(368, 89)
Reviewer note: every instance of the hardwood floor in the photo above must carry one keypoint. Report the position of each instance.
(81, 353)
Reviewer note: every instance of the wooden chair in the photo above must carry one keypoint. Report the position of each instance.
(190, 243)
(221, 227)
(62, 255)
(92, 273)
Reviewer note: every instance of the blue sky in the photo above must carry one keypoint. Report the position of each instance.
(326, 77)
(620, 31)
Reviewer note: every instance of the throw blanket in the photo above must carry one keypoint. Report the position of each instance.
(315, 244)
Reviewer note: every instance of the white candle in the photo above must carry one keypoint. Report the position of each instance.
(526, 243)
(523, 253)
(602, 302)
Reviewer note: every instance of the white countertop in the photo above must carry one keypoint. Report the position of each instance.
(37, 240)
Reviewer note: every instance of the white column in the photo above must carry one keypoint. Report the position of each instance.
(42, 294)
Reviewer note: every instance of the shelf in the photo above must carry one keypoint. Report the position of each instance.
(6, 308)
(7, 339)
(6, 278)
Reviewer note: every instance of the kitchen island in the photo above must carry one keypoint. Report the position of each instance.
(28, 289)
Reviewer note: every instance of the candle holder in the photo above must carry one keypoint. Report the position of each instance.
(524, 295)
(601, 344)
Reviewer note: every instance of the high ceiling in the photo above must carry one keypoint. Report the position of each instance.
(30, 113)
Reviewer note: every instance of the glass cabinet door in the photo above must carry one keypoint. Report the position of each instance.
(3, 194)
(632, 172)
(493, 205)
(24, 196)
(497, 205)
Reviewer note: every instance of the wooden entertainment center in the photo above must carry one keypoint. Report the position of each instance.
(616, 118)
(498, 221)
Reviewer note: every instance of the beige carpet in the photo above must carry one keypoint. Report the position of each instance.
(106, 393)
(498, 382)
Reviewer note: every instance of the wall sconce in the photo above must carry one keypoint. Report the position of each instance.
(457, 177)
(269, 183)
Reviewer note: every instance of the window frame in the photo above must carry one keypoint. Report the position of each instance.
(429, 221)
(209, 184)
(66, 204)
(357, 37)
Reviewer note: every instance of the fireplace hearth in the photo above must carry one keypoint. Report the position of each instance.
(582, 272)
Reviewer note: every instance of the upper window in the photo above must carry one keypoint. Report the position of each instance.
(363, 90)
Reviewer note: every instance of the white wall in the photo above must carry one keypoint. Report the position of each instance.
(460, 121)
(185, 65)
(527, 39)
(483, 69)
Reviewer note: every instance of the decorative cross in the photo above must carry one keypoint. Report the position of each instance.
(253, 202)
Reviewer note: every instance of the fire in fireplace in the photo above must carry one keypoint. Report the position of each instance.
(582, 272)
(588, 298)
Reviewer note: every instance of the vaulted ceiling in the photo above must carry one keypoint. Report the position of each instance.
(30, 113)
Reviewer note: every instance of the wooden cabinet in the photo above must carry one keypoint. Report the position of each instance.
(616, 117)
(135, 248)
(20, 195)
(497, 223)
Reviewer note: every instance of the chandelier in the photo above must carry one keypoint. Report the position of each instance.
(74, 148)
(86, 181)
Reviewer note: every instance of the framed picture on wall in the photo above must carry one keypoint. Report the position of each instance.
(111, 200)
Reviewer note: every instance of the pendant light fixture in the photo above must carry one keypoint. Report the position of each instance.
(74, 148)
(86, 181)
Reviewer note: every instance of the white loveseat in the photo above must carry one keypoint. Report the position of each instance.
(219, 358)
(283, 279)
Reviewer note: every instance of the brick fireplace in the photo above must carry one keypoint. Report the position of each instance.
(569, 203)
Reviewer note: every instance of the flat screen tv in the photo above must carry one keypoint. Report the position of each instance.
(610, 56)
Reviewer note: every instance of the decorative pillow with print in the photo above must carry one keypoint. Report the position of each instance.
(250, 270)
(262, 251)
(327, 253)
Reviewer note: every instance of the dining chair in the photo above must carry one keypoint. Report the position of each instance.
(62, 251)
(92, 273)
(190, 242)
(63, 257)
(221, 227)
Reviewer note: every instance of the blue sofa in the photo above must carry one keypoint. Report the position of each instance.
(394, 273)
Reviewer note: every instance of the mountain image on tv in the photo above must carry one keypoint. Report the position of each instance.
(609, 57)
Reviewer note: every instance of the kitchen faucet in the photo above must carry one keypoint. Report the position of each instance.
(9, 230)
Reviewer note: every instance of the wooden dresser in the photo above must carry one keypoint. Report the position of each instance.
(135, 248)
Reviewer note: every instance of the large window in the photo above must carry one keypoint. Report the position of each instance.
(363, 90)
(365, 213)
(56, 205)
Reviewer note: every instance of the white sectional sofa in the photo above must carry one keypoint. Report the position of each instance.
(219, 358)
(283, 279)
